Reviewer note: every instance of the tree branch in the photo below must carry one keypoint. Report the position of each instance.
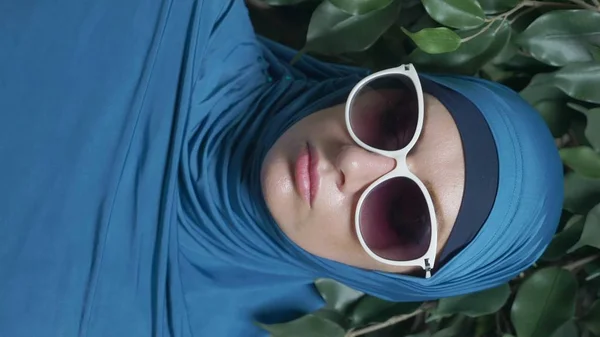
(389, 322)
(581, 262)
(483, 30)
(585, 5)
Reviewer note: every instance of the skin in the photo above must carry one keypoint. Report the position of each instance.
(326, 228)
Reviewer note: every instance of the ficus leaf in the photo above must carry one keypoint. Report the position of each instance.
(372, 309)
(581, 193)
(497, 6)
(461, 14)
(591, 230)
(470, 55)
(476, 304)
(305, 326)
(435, 40)
(561, 37)
(456, 328)
(544, 302)
(422, 334)
(591, 320)
(336, 295)
(580, 81)
(357, 7)
(592, 129)
(564, 240)
(282, 2)
(583, 160)
(568, 329)
(550, 102)
(332, 31)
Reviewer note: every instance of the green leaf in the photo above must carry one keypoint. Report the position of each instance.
(580, 81)
(591, 230)
(456, 329)
(435, 40)
(372, 309)
(332, 315)
(582, 160)
(336, 295)
(577, 131)
(592, 270)
(461, 14)
(356, 7)
(578, 107)
(556, 115)
(497, 6)
(550, 102)
(282, 2)
(581, 193)
(470, 56)
(422, 334)
(564, 240)
(568, 329)
(591, 320)
(476, 304)
(306, 326)
(544, 302)
(592, 128)
(560, 37)
(592, 124)
(484, 325)
(333, 31)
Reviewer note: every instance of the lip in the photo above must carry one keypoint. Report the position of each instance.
(306, 174)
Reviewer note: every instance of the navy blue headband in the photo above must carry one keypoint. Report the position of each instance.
(481, 168)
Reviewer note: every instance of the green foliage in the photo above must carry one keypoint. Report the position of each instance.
(548, 51)
(475, 50)
(310, 325)
(564, 240)
(332, 31)
(356, 7)
(562, 37)
(568, 329)
(544, 302)
(592, 320)
(372, 309)
(435, 40)
(582, 160)
(337, 296)
(591, 230)
(477, 304)
(461, 14)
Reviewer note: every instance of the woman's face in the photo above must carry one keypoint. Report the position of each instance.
(322, 223)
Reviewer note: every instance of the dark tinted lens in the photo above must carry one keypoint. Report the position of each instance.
(384, 113)
(394, 220)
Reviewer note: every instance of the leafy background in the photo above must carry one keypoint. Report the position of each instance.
(549, 51)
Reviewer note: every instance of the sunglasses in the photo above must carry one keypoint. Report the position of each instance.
(395, 218)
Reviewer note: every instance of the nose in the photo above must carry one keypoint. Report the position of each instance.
(360, 167)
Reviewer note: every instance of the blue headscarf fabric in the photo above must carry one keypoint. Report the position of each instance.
(131, 139)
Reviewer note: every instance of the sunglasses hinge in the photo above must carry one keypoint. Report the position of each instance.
(427, 269)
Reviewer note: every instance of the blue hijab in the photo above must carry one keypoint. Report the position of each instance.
(132, 135)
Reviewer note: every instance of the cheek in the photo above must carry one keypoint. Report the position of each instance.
(278, 188)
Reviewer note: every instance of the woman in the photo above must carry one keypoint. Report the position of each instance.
(167, 173)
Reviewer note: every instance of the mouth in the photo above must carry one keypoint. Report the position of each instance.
(307, 176)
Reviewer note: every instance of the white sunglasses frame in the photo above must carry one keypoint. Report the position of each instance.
(426, 261)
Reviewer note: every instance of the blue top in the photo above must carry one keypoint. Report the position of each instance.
(131, 138)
